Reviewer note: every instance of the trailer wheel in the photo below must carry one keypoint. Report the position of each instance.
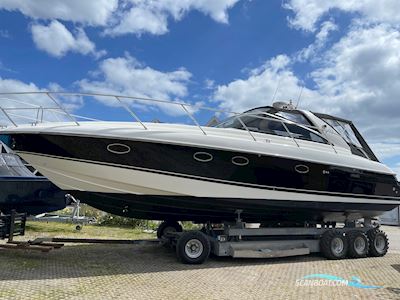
(193, 247)
(334, 244)
(378, 242)
(168, 226)
(358, 244)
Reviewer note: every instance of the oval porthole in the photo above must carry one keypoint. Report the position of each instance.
(302, 169)
(240, 161)
(203, 156)
(118, 148)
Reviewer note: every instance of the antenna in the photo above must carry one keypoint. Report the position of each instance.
(298, 99)
(276, 90)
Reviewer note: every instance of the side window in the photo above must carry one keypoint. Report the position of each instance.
(272, 127)
(295, 117)
(265, 126)
(230, 123)
(269, 126)
(304, 134)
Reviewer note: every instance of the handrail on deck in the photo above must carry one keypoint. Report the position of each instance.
(59, 109)
(119, 98)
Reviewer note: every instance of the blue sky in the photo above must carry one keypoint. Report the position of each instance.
(257, 31)
(228, 54)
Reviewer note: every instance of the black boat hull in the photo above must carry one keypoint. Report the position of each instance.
(167, 181)
(200, 209)
(249, 168)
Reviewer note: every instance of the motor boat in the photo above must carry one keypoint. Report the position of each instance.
(23, 190)
(271, 164)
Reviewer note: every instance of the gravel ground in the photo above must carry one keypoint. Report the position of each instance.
(152, 272)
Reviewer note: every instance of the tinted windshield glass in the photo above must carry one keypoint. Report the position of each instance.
(257, 124)
(291, 115)
(304, 134)
(294, 117)
(345, 131)
(269, 126)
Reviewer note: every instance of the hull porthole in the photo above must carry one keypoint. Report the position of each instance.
(302, 169)
(118, 148)
(240, 161)
(203, 156)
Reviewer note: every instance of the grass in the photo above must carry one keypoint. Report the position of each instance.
(53, 229)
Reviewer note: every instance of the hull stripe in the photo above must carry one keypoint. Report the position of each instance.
(214, 180)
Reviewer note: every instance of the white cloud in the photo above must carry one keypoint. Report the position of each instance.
(127, 76)
(321, 38)
(57, 40)
(120, 17)
(386, 150)
(217, 10)
(115, 17)
(147, 16)
(12, 85)
(260, 87)
(90, 12)
(358, 78)
(140, 20)
(308, 12)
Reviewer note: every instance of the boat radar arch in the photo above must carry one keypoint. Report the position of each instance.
(283, 105)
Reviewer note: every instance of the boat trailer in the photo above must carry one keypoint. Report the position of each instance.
(234, 240)
(237, 241)
(74, 218)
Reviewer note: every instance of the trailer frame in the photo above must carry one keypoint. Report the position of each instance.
(228, 239)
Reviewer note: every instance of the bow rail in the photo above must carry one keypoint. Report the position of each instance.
(61, 114)
(59, 109)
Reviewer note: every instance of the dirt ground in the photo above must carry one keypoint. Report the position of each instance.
(153, 272)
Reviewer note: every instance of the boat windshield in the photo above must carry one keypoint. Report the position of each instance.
(291, 115)
(294, 116)
(262, 124)
(350, 134)
(345, 131)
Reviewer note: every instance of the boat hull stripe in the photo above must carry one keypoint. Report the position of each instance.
(214, 180)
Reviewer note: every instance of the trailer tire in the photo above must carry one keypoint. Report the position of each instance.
(358, 244)
(168, 226)
(378, 243)
(193, 247)
(334, 244)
